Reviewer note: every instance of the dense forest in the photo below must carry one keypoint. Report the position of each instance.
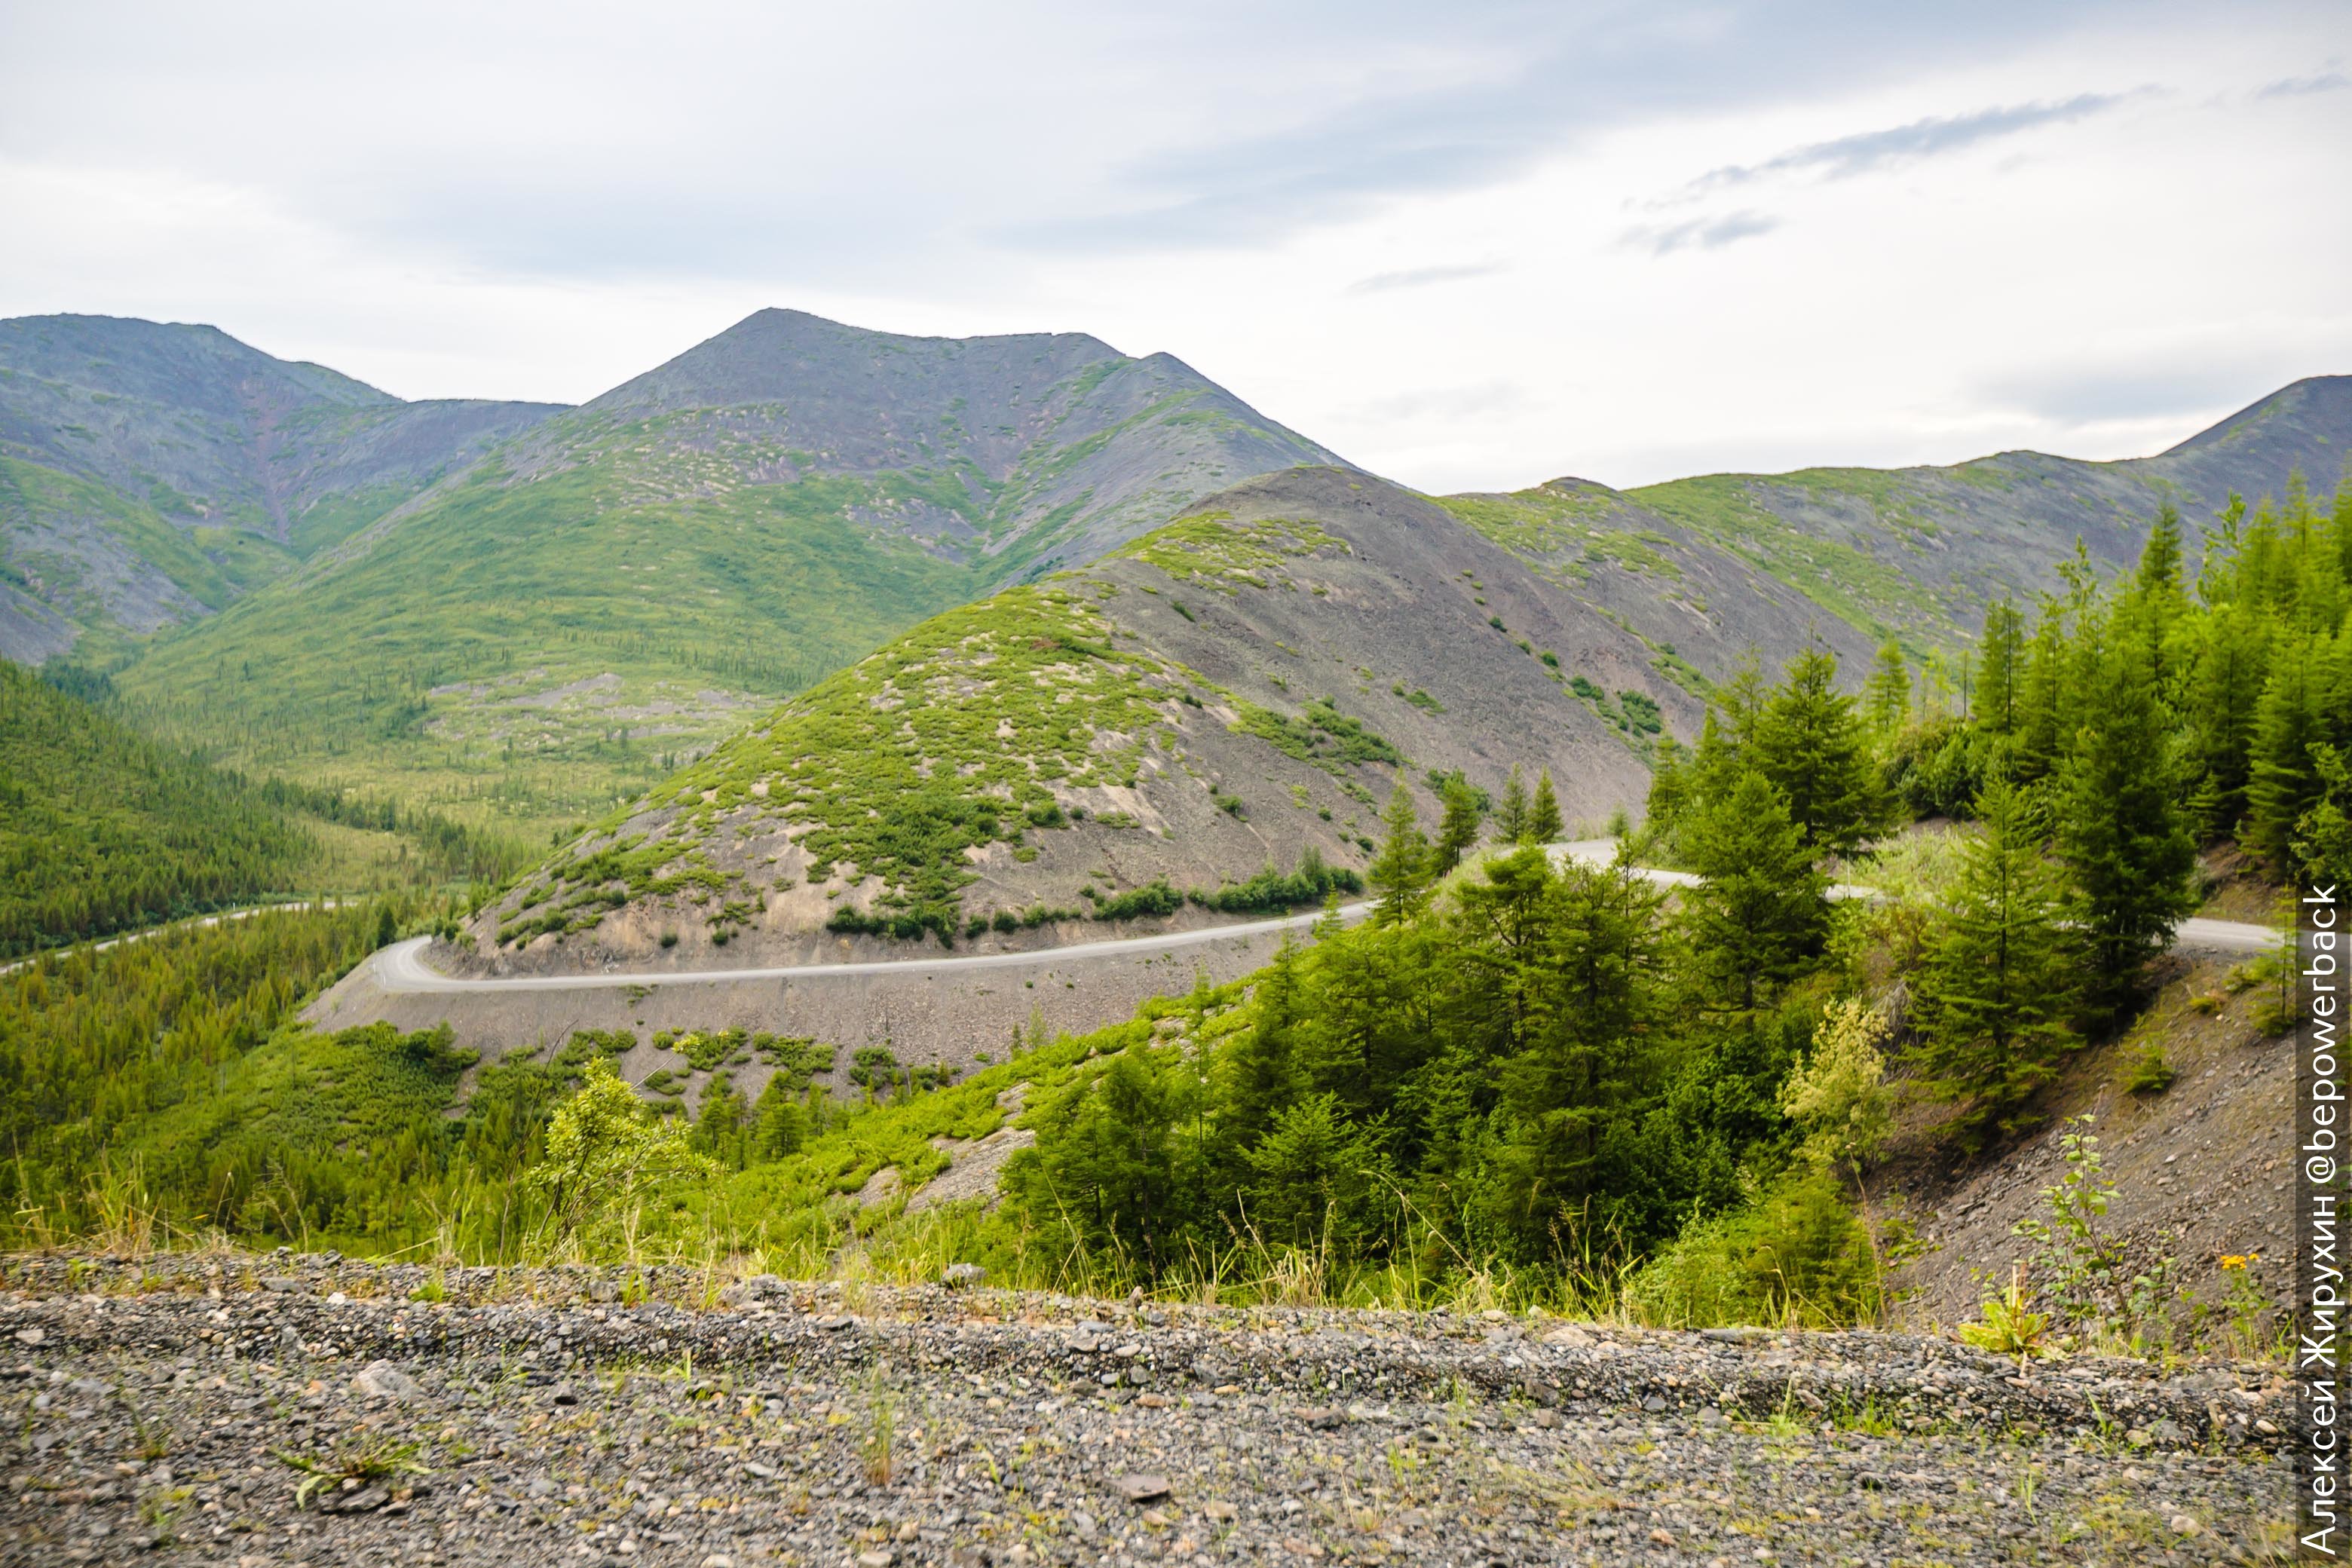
(101, 830)
(1522, 1077)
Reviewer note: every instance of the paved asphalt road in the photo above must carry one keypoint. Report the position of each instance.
(401, 967)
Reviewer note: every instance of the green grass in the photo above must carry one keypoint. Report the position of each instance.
(1563, 533)
(1320, 735)
(1856, 589)
(1213, 551)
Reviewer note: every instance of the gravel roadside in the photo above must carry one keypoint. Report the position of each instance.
(223, 1408)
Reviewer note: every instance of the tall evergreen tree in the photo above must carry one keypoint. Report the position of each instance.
(2284, 779)
(1457, 830)
(2002, 647)
(1886, 697)
(1997, 988)
(1544, 823)
(2223, 691)
(1670, 786)
(2044, 716)
(1761, 906)
(1401, 872)
(2123, 827)
(1511, 816)
(1810, 744)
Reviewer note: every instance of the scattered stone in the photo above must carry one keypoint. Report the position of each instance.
(383, 1379)
(764, 1456)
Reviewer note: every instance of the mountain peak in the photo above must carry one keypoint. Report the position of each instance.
(779, 356)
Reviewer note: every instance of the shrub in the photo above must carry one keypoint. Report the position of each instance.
(1796, 1254)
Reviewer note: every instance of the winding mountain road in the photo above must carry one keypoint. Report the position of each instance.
(400, 969)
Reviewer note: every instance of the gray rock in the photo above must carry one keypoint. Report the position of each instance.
(1140, 1487)
(383, 1379)
(959, 1276)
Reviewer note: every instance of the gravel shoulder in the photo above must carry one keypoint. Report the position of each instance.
(222, 1408)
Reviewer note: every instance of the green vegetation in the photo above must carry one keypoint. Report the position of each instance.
(1866, 592)
(143, 1071)
(976, 727)
(1319, 734)
(1561, 532)
(1213, 551)
(68, 509)
(538, 651)
(102, 830)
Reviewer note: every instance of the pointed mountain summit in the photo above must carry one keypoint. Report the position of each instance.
(626, 583)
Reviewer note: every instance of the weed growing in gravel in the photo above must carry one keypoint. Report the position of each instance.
(372, 1459)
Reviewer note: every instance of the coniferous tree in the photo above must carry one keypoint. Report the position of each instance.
(1457, 830)
(1670, 786)
(2153, 615)
(2123, 827)
(2223, 691)
(1998, 671)
(1544, 823)
(1511, 816)
(1261, 1071)
(2284, 781)
(1886, 698)
(1997, 987)
(1401, 872)
(2043, 717)
(1761, 906)
(780, 1124)
(1810, 744)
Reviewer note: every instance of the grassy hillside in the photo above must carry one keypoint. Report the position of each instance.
(626, 585)
(101, 830)
(149, 473)
(529, 655)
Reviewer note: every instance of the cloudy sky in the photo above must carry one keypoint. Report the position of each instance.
(1468, 246)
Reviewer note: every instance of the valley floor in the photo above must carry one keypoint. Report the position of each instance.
(180, 1409)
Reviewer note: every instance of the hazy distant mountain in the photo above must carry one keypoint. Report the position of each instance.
(149, 473)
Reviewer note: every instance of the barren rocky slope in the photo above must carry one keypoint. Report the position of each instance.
(225, 1409)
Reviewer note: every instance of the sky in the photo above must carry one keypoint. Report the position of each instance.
(1468, 247)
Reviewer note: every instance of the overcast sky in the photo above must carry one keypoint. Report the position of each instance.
(1470, 246)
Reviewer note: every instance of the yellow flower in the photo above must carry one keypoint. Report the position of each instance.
(2236, 1259)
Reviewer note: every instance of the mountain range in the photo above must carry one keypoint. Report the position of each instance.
(946, 559)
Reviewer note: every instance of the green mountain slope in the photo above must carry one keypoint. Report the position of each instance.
(629, 582)
(101, 830)
(1862, 554)
(150, 473)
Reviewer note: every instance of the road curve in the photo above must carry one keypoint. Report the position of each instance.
(401, 969)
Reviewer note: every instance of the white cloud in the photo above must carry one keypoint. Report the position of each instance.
(1366, 220)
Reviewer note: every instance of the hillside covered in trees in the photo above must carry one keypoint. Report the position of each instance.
(102, 829)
